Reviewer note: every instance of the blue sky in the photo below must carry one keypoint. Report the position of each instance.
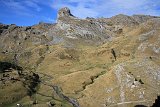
(29, 12)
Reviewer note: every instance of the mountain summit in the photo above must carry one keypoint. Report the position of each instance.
(64, 12)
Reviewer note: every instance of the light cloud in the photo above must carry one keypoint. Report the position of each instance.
(108, 8)
(16, 7)
(25, 7)
(33, 4)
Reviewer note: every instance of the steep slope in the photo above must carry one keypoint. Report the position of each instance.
(75, 30)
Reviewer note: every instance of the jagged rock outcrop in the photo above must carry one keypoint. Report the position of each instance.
(70, 28)
(64, 13)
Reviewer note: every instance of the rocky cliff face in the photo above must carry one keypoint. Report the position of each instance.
(70, 28)
(81, 62)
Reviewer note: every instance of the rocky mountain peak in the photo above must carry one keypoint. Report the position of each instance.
(64, 12)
